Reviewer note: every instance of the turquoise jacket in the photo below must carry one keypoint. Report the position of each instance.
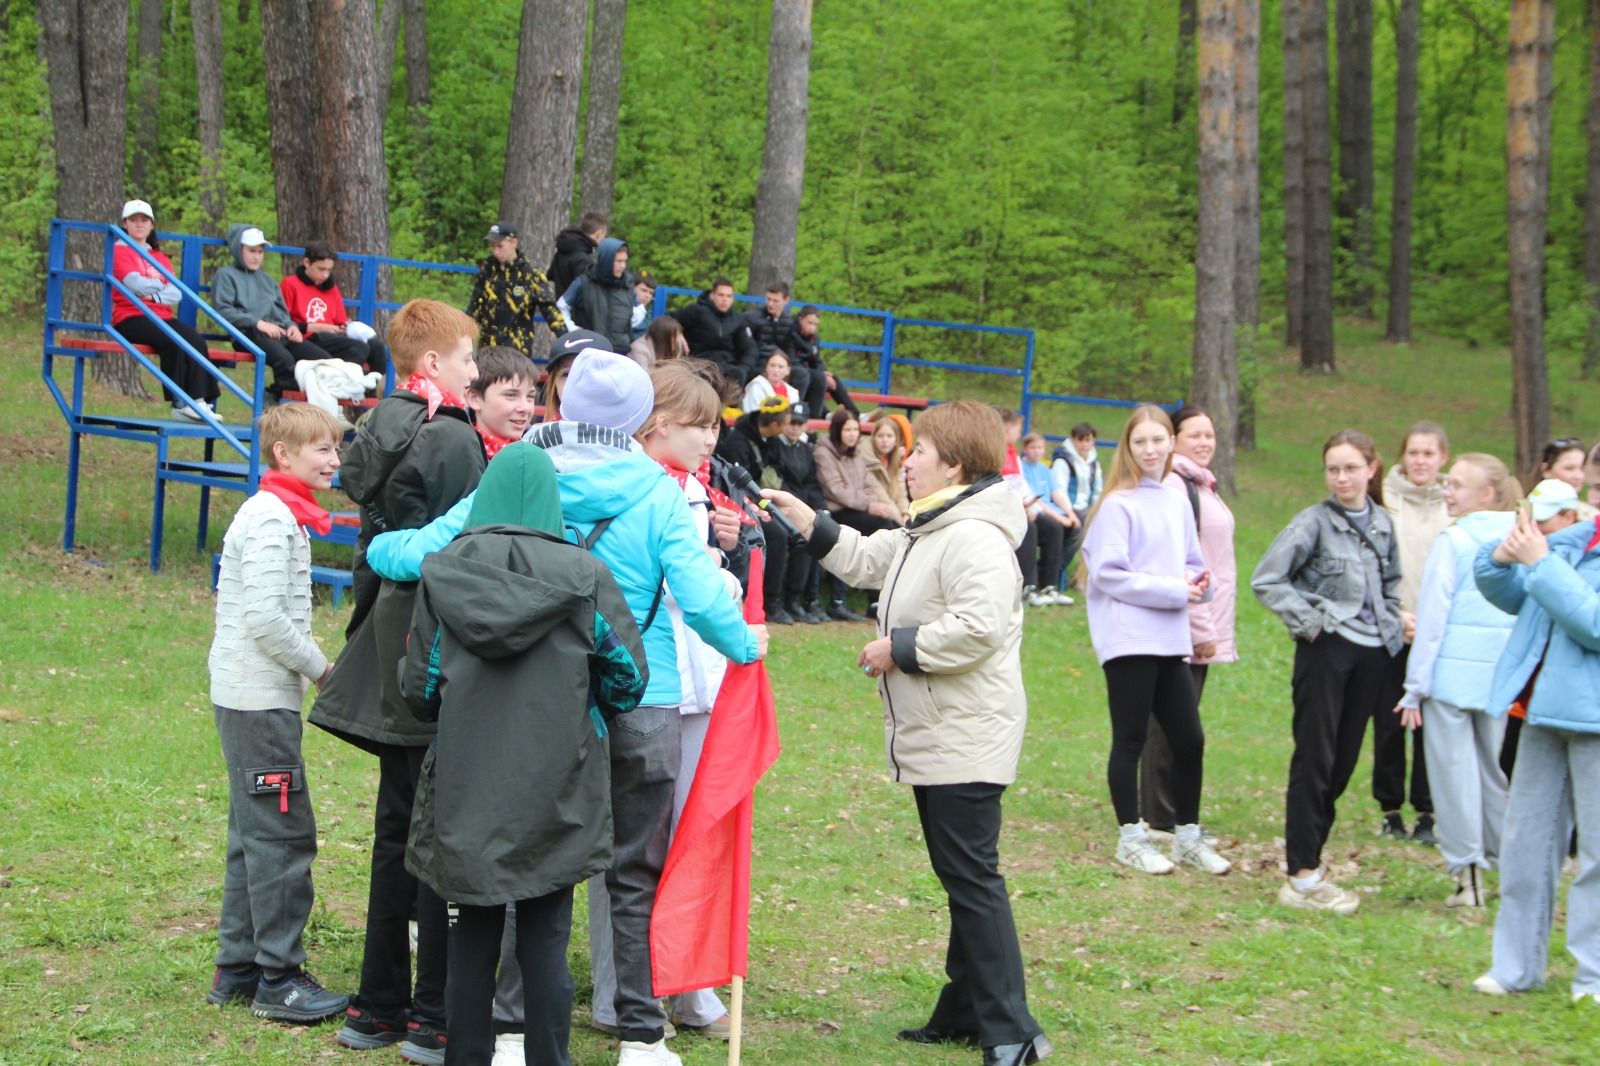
(1557, 604)
(1460, 635)
(652, 539)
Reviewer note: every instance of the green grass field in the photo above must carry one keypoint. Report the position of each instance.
(114, 810)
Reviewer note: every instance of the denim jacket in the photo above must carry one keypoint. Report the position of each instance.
(1316, 574)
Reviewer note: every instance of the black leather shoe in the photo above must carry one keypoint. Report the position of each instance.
(927, 1034)
(1018, 1054)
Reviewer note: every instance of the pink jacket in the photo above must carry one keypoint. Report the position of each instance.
(1211, 621)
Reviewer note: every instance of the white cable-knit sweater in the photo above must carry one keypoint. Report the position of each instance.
(263, 653)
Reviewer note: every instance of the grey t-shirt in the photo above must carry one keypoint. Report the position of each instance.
(1363, 628)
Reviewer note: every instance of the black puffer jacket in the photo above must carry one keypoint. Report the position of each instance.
(796, 464)
(505, 298)
(769, 333)
(602, 302)
(720, 336)
(574, 254)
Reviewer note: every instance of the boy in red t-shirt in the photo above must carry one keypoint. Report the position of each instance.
(317, 307)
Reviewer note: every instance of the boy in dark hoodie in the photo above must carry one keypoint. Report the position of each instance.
(508, 293)
(412, 459)
(249, 298)
(514, 805)
(717, 332)
(575, 249)
(602, 299)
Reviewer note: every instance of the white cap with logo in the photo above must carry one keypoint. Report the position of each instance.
(137, 207)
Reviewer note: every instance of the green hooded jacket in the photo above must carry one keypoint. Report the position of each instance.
(521, 646)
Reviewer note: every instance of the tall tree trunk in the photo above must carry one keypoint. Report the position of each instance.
(1246, 208)
(783, 159)
(419, 76)
(147, 95)
(1316, 338)
(605, 96)
(85, 45)
(1405, 172)
(1355, 145)
(388, 39)
(541, 150)
(1183, 76)
(207, 18)
(1294, 189)
(285, 33)
(347, 131)
(1591, 200)
(1215, 376)
(1528, 77)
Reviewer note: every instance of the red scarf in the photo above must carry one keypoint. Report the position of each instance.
(703, 475)
(492, 442)
(1013, 465)
(431, 392)
(1594, 541)
(296, 494)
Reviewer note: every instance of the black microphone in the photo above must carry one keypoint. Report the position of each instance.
(740, 478)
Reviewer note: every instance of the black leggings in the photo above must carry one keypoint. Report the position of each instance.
(1040, 553)
(195, 381)
(544, 925)
(1140, 687)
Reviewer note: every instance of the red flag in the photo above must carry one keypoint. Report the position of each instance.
(700, 927)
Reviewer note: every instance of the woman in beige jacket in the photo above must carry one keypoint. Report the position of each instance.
(949, 672)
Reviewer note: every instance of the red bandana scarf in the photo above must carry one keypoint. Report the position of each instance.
(297, 495)
(1594, 541)
(703, 475)
(492, 442)
(432, 393)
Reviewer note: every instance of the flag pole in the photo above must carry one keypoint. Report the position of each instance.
(736, 1021)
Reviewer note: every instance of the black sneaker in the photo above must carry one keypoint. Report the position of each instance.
(363, 1032)
(424, 1044)
(296, 997)
(840, 613)
(812, 614)
(778, 616)
(232, 983)
(1394, 826)
(1423, 833)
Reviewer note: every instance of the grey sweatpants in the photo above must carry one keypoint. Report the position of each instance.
(272, 838)
(1468, 787)
(1558, 776)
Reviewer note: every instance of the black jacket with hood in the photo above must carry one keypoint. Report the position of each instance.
(601, 302)
(403, 470)
(720, 336)
(522, 648)
(574, 254)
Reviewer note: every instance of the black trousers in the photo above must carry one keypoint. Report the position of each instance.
(1138, 688)
(1336, 684)
(801, 578)
(1039, 554)
(544, 926)
(392, 896)
(282, 354)
(1155, 766)
(866, 524)
(195, 381)
(812, 385)
(370, 354)
(985, 995)
(1389, 748)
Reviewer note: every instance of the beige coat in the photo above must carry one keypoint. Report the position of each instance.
(890, 488)
(844, 477)
(1419, 517)
(952, 604)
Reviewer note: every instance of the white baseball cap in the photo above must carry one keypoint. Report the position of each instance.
(137, 207)
(1550, 497)
(253, 238)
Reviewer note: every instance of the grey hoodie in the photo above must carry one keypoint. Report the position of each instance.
(245, 297)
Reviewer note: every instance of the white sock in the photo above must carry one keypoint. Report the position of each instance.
(1187, 834)
(1133, 831)
(1305, 884)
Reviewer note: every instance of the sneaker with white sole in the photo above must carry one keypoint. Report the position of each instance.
(1322, 896)
(1489, 986)
(508, 1050)
(1198, 854)
(1586, 997)
(1469, 890)
(1061, 599)
(637, 1053)
(1143, 856)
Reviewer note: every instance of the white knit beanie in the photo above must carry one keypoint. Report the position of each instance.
(608, 390)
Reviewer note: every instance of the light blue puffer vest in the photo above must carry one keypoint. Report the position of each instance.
(1477, 630)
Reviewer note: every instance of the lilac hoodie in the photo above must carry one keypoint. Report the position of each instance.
(1142, 552)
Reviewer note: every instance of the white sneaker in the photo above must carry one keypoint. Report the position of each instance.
(1322, 896)
(1198, 853)
(1061, 599)
(1490, 987)
(1143, 856)
(1586, 997)
(508, 1050)
(1469, 891)
(637, 1053)
(180, 410)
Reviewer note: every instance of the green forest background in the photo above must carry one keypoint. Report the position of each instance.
(1007, 164)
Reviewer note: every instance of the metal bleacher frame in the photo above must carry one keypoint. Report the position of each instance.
(240, 468)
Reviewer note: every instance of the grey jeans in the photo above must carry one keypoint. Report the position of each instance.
(1558, 776)
(272, 839)
(644, 771)
(1468, 787)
